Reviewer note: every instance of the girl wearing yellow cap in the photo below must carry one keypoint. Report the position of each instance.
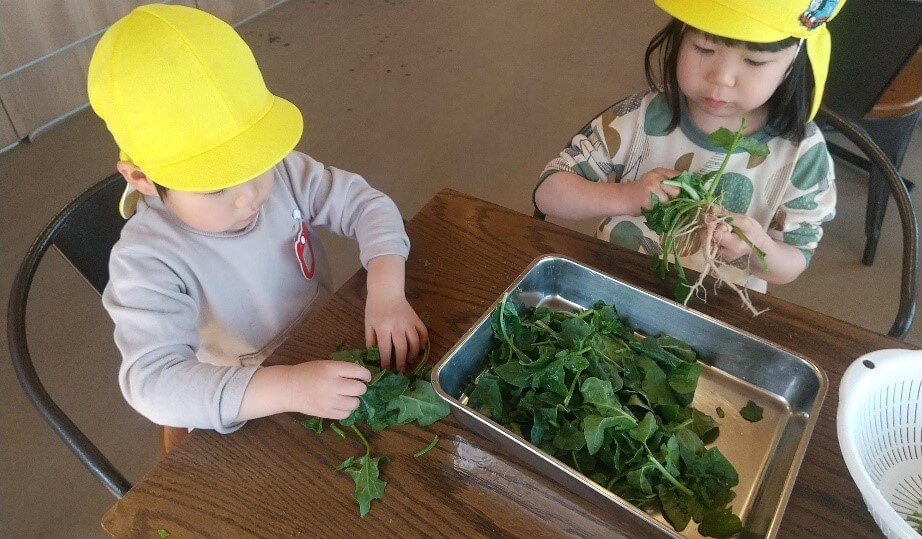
(716, 64)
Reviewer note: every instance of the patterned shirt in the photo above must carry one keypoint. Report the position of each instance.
(791, 192)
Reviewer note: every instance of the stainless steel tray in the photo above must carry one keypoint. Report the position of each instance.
(736, 367)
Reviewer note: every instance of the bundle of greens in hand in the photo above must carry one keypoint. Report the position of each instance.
(682, 222)
(584, 388)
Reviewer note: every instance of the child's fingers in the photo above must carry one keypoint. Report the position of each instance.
(344, 403)
(400, 351)
(423, 333)
(384, 347)
(670, 190)
(352, 370)
(369, 335)
(353, 388)
(412, 343)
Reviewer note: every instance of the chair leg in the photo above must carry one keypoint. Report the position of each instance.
(169, 437)
(892, 135)
(878, 197)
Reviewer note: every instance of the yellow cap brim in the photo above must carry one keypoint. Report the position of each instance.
(720, 20)
(240, 159)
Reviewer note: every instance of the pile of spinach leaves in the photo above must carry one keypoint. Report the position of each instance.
(585, 389)
(392, 398)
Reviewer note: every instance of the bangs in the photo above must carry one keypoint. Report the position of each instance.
(774, 46)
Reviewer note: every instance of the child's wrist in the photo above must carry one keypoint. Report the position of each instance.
(626, 199)
(386, 276)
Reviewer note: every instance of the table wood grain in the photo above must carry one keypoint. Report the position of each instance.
(273, 478)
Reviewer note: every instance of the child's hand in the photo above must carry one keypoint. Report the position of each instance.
(651, 183)
(731, 246)
(325, 388)
(391, 323)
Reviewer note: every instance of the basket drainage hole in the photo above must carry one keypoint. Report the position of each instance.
(868, 363)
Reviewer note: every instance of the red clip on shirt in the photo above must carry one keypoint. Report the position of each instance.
(302, 239)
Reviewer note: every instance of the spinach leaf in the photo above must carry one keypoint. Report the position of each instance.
(752, 412)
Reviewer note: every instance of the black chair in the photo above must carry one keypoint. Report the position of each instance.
(910, 227)
(887, 173)
(873, 44)
(84, 233)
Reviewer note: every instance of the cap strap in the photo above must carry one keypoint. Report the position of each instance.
(819, 43)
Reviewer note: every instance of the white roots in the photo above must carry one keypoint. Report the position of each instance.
(716, 267)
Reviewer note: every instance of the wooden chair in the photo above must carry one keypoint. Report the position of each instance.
(84, 233)
(875, 80)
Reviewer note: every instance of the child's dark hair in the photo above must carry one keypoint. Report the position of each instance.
(788, 107)
(161, 190)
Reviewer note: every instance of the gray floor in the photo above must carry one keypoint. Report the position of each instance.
(474, 95)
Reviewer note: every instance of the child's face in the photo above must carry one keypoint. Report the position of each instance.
(226, 210)
(723, 84)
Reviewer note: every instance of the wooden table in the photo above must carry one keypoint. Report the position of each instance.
(273, 478)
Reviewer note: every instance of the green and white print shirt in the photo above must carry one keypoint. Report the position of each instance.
(791, 192)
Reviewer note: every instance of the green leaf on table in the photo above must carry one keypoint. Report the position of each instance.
(422, 404)
(313, 423)
(163, 533)
(364, 472)
(752, 412)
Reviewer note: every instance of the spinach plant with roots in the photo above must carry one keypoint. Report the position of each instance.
(681, 222)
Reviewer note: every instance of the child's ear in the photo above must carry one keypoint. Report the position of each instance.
(136, 178)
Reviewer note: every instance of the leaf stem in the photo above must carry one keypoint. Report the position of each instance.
(685, 187)
(502, 325)
(428, 448)
(421, 366)
(666, 474)
(337, 430)
(723, 165)
(364, 442)
(543, 325)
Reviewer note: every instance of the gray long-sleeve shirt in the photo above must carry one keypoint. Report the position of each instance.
(195, 313)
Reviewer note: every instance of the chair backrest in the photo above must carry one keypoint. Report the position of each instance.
(871, 41)
(84, 232)
(909, 224)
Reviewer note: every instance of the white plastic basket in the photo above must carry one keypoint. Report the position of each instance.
(879, 423)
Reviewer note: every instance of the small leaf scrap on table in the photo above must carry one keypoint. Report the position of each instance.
(584, 388)
(392, 398)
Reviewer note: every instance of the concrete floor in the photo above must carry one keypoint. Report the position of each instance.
(474, 95)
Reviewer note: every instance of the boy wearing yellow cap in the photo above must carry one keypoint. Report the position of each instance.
(219, 257)
(720, 62)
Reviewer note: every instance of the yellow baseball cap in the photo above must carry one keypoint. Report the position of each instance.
(766, 21)
(182, 95)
